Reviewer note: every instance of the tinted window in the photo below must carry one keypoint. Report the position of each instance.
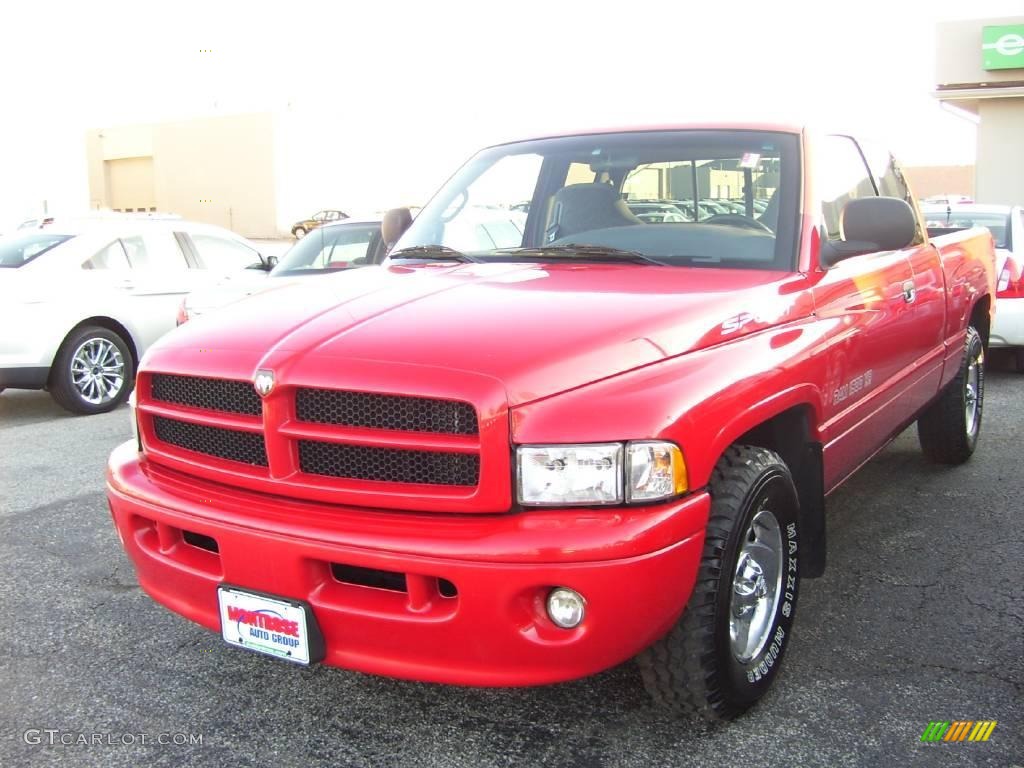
(224, 255)
(333, 247)
(842, 177)
(111, 257)
(17, 250)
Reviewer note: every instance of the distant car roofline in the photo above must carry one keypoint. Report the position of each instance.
(964, 207)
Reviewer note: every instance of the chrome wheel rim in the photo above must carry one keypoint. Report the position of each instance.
(972, 393)
(756, 586)
(97, 371)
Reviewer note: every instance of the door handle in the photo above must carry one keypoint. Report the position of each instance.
(909, 292)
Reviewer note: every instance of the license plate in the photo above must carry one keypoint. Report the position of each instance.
(275, 626)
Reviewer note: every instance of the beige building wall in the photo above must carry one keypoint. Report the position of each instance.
(218, 170)
(930, 180)
(995, 96)
(1000, 174)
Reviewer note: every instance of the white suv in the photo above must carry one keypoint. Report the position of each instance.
(80, 302)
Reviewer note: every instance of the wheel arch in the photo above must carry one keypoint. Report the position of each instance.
(793, 434)
(981, 317)
(103, 322)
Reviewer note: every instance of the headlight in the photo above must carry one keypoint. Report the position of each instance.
(570, 474)
(654, 470)
(599, 473)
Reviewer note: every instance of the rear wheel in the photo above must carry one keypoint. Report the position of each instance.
(93, 371)
(726, 648)
(948, 430)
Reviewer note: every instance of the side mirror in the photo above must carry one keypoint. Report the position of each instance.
(393, 226)
(271, 262)
(871, 224)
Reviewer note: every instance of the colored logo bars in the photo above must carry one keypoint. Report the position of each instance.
(958, 730)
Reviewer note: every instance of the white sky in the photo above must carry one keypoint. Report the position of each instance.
(386, 99)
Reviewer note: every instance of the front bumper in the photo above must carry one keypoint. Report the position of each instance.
(635, 568)
(1008, 326)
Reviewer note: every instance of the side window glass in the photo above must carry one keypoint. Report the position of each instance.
(110, 257)
(889, 180)
(843, 177)
(154, 252)
(222, 255)
(477, 219)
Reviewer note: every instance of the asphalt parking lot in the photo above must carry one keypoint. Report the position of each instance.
(920, 617)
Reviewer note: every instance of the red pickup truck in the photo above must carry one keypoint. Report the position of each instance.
(516, 455)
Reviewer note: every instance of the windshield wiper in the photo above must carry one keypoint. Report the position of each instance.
(433, 253)
(582, 252)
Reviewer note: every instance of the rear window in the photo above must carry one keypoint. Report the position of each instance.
(18, 250)
(998, 223)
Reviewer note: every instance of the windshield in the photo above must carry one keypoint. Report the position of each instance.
(950, 218)
(18, 250)
(331, 248)
(679, 198)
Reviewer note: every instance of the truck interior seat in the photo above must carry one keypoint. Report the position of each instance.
(770, 217)
(584, 207)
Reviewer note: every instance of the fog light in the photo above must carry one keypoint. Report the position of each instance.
(565, 607)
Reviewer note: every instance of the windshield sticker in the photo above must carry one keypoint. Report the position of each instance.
(750, 160)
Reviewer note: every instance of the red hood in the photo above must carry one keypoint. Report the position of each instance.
(537, 329)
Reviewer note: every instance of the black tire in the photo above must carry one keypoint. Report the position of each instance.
(1018, 359)
(62, 385)
(946, 433)
(693, 669)
(299, 232)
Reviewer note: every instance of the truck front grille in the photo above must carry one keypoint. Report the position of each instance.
(231, 444)
(397, 412)
(363, 462)
(227, 395)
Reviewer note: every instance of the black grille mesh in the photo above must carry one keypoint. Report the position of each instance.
(361, 462)
(213, 394)
(246, 447)
(400, 412)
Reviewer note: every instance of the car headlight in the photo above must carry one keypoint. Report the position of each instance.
(599, 473)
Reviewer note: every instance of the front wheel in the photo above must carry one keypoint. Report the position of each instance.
(726, 648)
(948, 429)
(93, 371)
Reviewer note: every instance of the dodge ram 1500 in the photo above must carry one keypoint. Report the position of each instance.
(520, 456)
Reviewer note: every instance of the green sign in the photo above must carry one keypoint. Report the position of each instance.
(1003, 47)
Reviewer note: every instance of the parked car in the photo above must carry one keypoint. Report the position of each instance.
(336, 246)
(527, 462)
(1006, 223)
(36, 223)
(947, 200)
(81, 301)
(301, 228)
(657, 212)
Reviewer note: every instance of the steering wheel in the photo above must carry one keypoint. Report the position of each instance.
(737, 220)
